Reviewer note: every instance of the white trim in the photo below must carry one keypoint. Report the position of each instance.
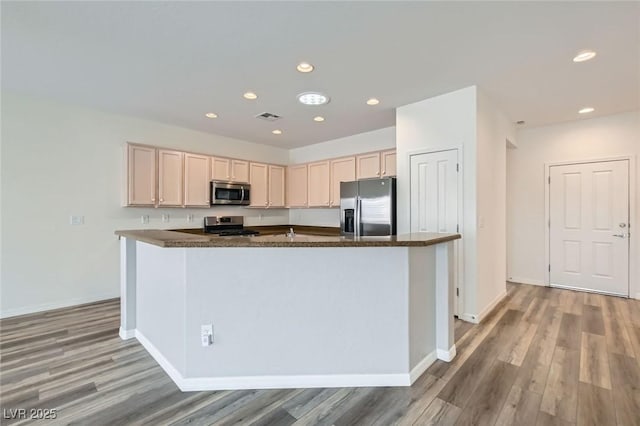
(634, 281)
(530, 281)
(7, 313)
(422, 366)
(637, 296)
(447, 356)
(476, 319)
(282, 382)
(126, 334)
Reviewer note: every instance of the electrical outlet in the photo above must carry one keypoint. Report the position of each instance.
(206, 334)
(144, 218)
(165, 217)
(76, 220)
(189, 218)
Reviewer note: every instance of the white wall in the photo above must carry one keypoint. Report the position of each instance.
(467, 120)
(60, 160)
(376, 140)
(596, 138)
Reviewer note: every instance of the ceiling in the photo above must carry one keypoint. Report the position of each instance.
(174, 61)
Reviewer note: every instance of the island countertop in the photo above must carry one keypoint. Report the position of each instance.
(185, 238)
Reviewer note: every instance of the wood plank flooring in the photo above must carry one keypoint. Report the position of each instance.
(543, 356)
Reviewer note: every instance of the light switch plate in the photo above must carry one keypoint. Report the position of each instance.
(76, 220)
(165, 217)
(144, 218)
(206, 334)
(189, 218)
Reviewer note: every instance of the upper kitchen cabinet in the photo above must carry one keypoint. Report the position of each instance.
(368, 165)
(220, 169)
(229, 170)
(388, 163)
(196, 180)
(259, 179)
(297, 186)
(276, 186)
(141, 175)
(318, 184)
(342, 170)
(170, 173)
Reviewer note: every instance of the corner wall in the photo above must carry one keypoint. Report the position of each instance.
(60, 160)
(596, 138)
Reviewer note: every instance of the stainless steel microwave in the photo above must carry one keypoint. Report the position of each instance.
(229, 193)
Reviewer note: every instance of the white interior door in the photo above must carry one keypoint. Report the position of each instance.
(434, 198)
(589, 226)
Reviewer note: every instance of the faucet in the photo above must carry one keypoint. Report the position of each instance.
(290, 234)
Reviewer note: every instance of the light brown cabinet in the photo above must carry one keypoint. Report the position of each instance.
(388, 163)
(141, 175)
(368, 165)
(342, 170)
(259, 179)
(276, 186)
(196, 180)
(230, 170)
(297, 186)
(170, 173)
(318, 184)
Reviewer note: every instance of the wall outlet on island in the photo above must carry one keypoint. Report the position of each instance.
(206, 334)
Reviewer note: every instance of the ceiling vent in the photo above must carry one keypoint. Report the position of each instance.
(267, 116)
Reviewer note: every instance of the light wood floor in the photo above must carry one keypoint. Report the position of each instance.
(543, 357)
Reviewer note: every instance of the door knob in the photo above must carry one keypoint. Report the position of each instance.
(623, 225)
(619, 235)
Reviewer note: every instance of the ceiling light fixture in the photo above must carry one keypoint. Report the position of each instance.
(304, 67)
(584, 55)
(313, 98)
(319, 119)
(211, 115)
(250, 95)
(586, 110)
(372, 101)
(276, 132)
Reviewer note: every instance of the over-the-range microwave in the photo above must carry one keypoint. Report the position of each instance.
(230, 193)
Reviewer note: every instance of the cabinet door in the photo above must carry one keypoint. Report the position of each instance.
(368, 165)
(297, 186)
(141, 175)
(240, 171)
(196, 180)
(170, 171)
(220, 168)
(342, 170)
(388, 163)
(276, 186)
(318, 184)
(259, 185)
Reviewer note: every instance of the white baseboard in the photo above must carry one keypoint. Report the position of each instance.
(637, 296)
(281, 382)
(126, 334)
(422, 366)
(476, 319)
(447, 356)
(25, 310)
(519, 280)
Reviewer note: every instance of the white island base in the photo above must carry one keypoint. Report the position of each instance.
(289, 317)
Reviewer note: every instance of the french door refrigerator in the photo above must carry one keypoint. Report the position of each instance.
(368, 207)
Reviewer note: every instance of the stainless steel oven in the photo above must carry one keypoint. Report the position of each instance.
(229, 193)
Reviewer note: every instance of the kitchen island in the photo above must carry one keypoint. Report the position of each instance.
(289, 311)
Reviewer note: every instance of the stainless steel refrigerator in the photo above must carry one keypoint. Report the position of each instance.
(368, 207)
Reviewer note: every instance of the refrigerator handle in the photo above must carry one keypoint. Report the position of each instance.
(358, 212)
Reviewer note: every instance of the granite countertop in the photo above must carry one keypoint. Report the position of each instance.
(275, 237)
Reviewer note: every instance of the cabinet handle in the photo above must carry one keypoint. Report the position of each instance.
(162, 200)
(384, 172)
(265, 203)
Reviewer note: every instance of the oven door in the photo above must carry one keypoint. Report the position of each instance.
(229, 193)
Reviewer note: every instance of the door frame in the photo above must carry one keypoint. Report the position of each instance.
(458, 245)
(633, 246)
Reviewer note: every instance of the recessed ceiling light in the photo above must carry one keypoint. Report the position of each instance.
(586, 110)
(250, 96)
(318, 119)
(584, 55)
(313, 98)
(276, 132)
(211, 115)
(304, 67)
(372, 101)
